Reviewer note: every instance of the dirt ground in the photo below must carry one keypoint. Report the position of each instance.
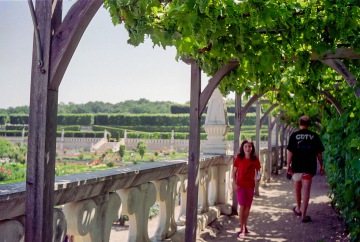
(271, 218)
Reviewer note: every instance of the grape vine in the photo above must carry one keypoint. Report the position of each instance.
(274, 42)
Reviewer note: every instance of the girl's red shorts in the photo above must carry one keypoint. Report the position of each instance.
(245, 196)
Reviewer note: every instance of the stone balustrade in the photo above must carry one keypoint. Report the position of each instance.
(88, 203)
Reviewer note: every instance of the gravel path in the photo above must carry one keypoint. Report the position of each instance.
(271, 218)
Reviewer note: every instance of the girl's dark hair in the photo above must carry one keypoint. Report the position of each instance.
(241, 153)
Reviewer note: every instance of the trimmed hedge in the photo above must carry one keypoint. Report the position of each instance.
(12, 133)
(75, 119)
(3, 119)
(250, 119)
(247, 135)
(81, 134)
(16, 127)
(146, 128)
(115, 132)
(146, 125)
(101, 119)
(19, 118)
(129, 119)
(179, 109)
(147, 120)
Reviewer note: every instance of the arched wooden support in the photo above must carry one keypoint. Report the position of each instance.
(318, 125)
(240, 114)
(214, 82)
(340, 53)
(332, 99)
(262, 120)
(248, 105)
(68, 36)
(340, 68)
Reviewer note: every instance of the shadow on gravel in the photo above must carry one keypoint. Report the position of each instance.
(272, 219)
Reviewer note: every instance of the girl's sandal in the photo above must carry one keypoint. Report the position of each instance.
(306, 219)
(295, 212)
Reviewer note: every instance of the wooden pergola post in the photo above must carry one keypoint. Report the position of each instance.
(237, 130)
(40, 173)
(58, 41)
(194, 154)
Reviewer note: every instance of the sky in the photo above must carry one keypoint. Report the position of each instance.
(103, 68)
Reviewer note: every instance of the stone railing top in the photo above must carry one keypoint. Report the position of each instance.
(85, 185)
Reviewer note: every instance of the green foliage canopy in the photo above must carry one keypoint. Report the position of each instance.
(280, 46)
(277, 43)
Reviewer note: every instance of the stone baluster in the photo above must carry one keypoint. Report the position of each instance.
(205, 176)
(166, 197)
(11, 230)
(59, 226)
(108, 211)
(136, 203)
(14, 230)
(90, 220)
(224, 188)
(183, 196)
(213, 186)
(80, 217)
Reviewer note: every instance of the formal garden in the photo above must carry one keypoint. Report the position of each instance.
(75, 121)
(146, 120)
(13, 160)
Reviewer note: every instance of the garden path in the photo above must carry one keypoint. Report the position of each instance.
(271, 218)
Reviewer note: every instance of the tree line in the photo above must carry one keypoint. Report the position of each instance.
(130, 106)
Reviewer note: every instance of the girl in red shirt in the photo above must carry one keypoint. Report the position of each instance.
(246, 171)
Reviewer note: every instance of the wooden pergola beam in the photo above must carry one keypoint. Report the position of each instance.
(215, 81)
(340, 68)
(67, 37)
(332, 99)
(340, 53)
